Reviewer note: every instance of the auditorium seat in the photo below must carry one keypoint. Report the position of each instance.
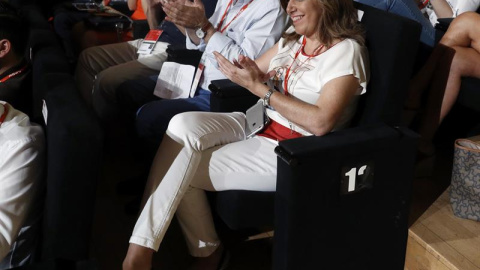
(391, 63)
(74, 150)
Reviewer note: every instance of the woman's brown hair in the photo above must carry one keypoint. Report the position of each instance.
(338, 20)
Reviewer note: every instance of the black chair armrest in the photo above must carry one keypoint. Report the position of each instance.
(294, 151)
(443, 24)
(442, 27)
(140, 28)
(183, 56)
(228, 96)
(469, 95)
(103, 23)
(227, 88)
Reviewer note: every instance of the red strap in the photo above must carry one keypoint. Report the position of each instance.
(220, 24)
(6, 78)
(287, 73)
(278, 132)
(423, 4)
(4, 114)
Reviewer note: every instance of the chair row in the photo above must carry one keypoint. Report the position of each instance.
(74, 145)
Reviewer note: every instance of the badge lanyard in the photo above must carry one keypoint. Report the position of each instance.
(198, 75)
(6, 78)
(149, 42)
(222, 20)
(4, 114)
(287, 73)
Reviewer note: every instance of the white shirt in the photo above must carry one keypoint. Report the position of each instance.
(309, 74)
(252, 33)
(458, 7)
(22, 157)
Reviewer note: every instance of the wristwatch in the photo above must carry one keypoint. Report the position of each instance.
(266, 98)
(201, 32)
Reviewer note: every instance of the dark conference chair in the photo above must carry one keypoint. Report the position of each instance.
(390, 41)
(342, 200)
(74, 151)
(392, 44)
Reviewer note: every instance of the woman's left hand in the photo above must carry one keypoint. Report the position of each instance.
(244, 72)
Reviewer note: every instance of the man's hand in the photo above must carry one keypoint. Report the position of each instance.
(185, 13)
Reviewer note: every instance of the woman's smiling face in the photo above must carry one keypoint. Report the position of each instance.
(305, 15)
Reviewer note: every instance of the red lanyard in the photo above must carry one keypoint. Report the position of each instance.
(4, 114)
(6, 78)
(219, 26)
(287, 73)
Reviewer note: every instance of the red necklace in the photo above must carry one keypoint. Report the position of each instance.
(287, 73)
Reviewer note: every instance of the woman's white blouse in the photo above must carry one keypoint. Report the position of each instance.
(309, 74)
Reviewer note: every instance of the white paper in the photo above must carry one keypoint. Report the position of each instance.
(360, 14)
(44, 111)
(174, 81)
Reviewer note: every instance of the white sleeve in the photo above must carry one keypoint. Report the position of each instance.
(259, 37)
(21, 167)
(349, 59)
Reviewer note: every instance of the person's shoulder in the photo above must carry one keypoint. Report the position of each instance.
(17, 128)
(349, 45)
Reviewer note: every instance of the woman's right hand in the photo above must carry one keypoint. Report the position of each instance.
(244, 72)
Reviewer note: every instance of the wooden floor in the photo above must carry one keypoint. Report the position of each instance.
(438, 240)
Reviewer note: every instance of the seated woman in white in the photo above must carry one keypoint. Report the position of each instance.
(320, 68)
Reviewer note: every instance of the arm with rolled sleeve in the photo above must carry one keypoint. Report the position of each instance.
(266, 23)
(253, 32)
(21, 168)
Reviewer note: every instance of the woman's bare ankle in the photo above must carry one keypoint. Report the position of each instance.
(138, 258)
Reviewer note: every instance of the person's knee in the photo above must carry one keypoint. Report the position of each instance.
(203, 130)
(463, 23)
(180, 123)
(92, 60)
(107, 82)
(467, 17)
(86, 62)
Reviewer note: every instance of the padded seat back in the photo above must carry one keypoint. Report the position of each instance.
(342, 199)
(74, 149)
(392, 43)
(75, 145)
